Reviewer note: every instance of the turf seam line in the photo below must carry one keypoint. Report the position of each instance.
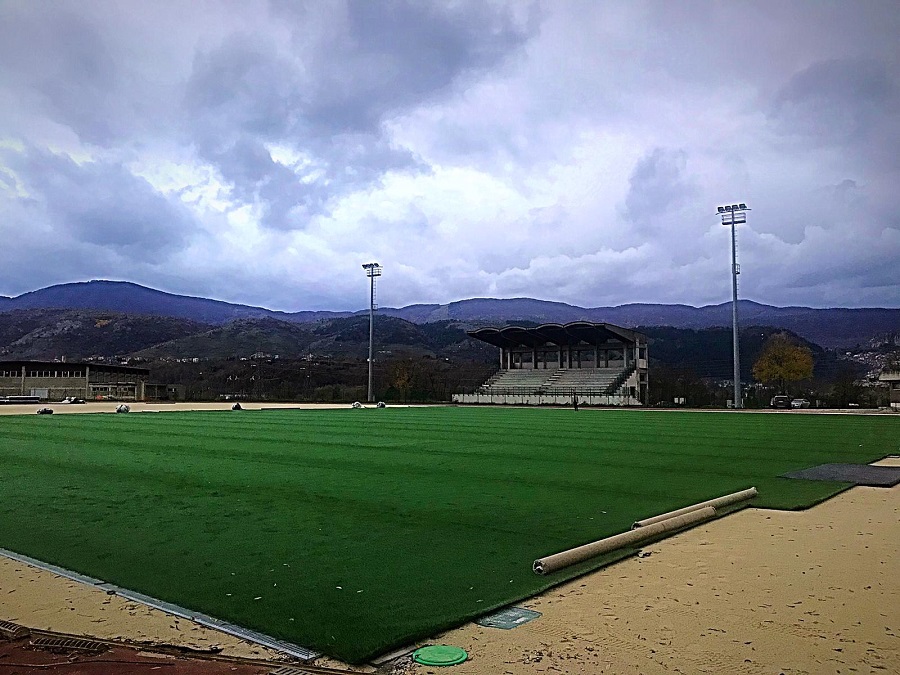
(197, 617)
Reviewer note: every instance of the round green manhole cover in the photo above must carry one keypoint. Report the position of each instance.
(440, 655)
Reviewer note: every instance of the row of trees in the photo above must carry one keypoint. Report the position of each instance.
(784, 366)
(400, 379)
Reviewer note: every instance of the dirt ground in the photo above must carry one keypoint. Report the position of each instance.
(41, 600)
(759, 591)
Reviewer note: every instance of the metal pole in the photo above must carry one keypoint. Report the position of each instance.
(734, 317)
(371, 336)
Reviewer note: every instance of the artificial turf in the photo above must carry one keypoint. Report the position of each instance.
(352, 531)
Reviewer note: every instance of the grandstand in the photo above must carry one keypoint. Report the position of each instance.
(597, 363)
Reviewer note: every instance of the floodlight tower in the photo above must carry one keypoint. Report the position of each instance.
(734, 214)
(372, 270)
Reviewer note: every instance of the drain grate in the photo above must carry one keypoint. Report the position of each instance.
(289, 670)
(13, 631)
(69, 645)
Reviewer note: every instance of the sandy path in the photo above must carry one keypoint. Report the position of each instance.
(39, 599)
(757, 592)
(110, 407)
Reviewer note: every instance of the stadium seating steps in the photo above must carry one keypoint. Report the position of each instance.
(559, 381)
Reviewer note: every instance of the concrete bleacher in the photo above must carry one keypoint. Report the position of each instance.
(519, 379)
(570, 350)
(592, 386)
(559, 381)
(583, 379)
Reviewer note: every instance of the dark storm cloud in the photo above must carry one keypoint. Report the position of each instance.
(243, 96)
(243, 86)
(388, 55)
(837, 101)
(101, 204)
(327, 103)
(858, 272)
(63, 63)
(659, 184)
(474, 147)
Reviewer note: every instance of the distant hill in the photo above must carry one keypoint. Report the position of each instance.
(346, 337)
(240, 338)
(126, 297)
(78, 334)
(45, 334)
(827, 327)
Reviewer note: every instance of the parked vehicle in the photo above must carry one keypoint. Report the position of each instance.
(799, 403)
(780, 402)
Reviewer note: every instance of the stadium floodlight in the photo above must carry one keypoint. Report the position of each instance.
(734, 215)
(373, 270)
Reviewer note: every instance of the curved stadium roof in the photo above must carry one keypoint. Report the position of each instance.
(569, 334)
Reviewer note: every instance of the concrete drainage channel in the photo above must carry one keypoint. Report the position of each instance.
(261, 639)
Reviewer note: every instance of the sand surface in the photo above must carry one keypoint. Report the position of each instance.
(38, 599)
(110, 407)
(759, 591)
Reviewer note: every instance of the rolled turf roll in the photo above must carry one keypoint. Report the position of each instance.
(576, 555)
(717, 503)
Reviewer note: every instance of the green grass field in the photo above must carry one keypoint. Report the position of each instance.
(352, 531)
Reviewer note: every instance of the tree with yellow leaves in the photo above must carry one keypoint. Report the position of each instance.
(783, 361)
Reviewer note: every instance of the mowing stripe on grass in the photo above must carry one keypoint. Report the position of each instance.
(352, 531)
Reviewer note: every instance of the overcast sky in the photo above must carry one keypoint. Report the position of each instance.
(260, 151)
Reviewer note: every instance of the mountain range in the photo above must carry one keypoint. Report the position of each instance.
(832, 328)
(46, 334)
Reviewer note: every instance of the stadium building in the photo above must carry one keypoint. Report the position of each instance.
(595, 363)
(54, 381)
